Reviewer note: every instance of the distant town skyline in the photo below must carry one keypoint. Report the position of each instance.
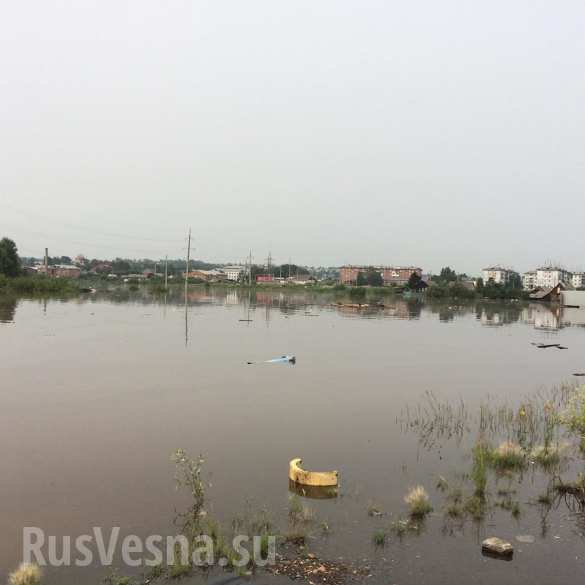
(327, 133)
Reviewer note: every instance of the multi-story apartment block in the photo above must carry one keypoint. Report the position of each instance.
(349, 274)
(233, 272)
(399, 274)
(549, 276)
(578, 280)
(529, 280)
(497, 274)
(390, 274)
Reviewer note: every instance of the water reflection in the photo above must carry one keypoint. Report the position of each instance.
(7, 309)
(541, 316)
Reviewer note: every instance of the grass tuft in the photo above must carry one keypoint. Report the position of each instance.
(26, 574)
(508, 456)
(442, 484)
(454, 510)
(379, 538)
(548, 457)
(418, 502)
(574, 415)
(475, 506)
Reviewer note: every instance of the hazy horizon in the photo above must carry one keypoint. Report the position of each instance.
(326, 133)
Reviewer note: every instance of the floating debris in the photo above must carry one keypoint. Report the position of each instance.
(525, 538)
(285, 359)
(314, 570)
(314, 478)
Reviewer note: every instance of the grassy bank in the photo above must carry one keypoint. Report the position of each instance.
(37, 285)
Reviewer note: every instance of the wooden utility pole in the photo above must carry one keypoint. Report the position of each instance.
(166, 271)
(187, 264)
(250, 269)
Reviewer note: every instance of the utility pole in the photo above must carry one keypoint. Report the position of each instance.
(187, 264)
(250, 269)
(166, 271)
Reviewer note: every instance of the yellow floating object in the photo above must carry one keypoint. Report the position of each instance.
(316, 478)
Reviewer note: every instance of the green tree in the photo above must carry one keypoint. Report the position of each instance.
(9, 260)
(370, 278)
(415, 281)
(515, 281)
(286, 270)
(120, 266)
(447, 275)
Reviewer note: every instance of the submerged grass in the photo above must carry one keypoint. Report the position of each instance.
(26, 574)
(480, 454)
(476, 507)
(379, 538)
(508, 456)
(574, 415)
(298, 513)
(402, 526)
(374, 509)
(548, 457)
(418, 502)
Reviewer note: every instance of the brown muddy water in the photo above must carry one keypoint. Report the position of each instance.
(96, 393)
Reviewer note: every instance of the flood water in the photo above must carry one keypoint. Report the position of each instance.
(96, 393)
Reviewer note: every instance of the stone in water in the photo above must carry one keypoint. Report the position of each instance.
(498, 547)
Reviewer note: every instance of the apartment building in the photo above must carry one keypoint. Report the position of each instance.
(529, 280)
(497, 274)
(397, 275)
(233, 272)
(549, 276)
(578, 280)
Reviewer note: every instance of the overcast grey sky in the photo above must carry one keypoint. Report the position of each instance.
(326, 131)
